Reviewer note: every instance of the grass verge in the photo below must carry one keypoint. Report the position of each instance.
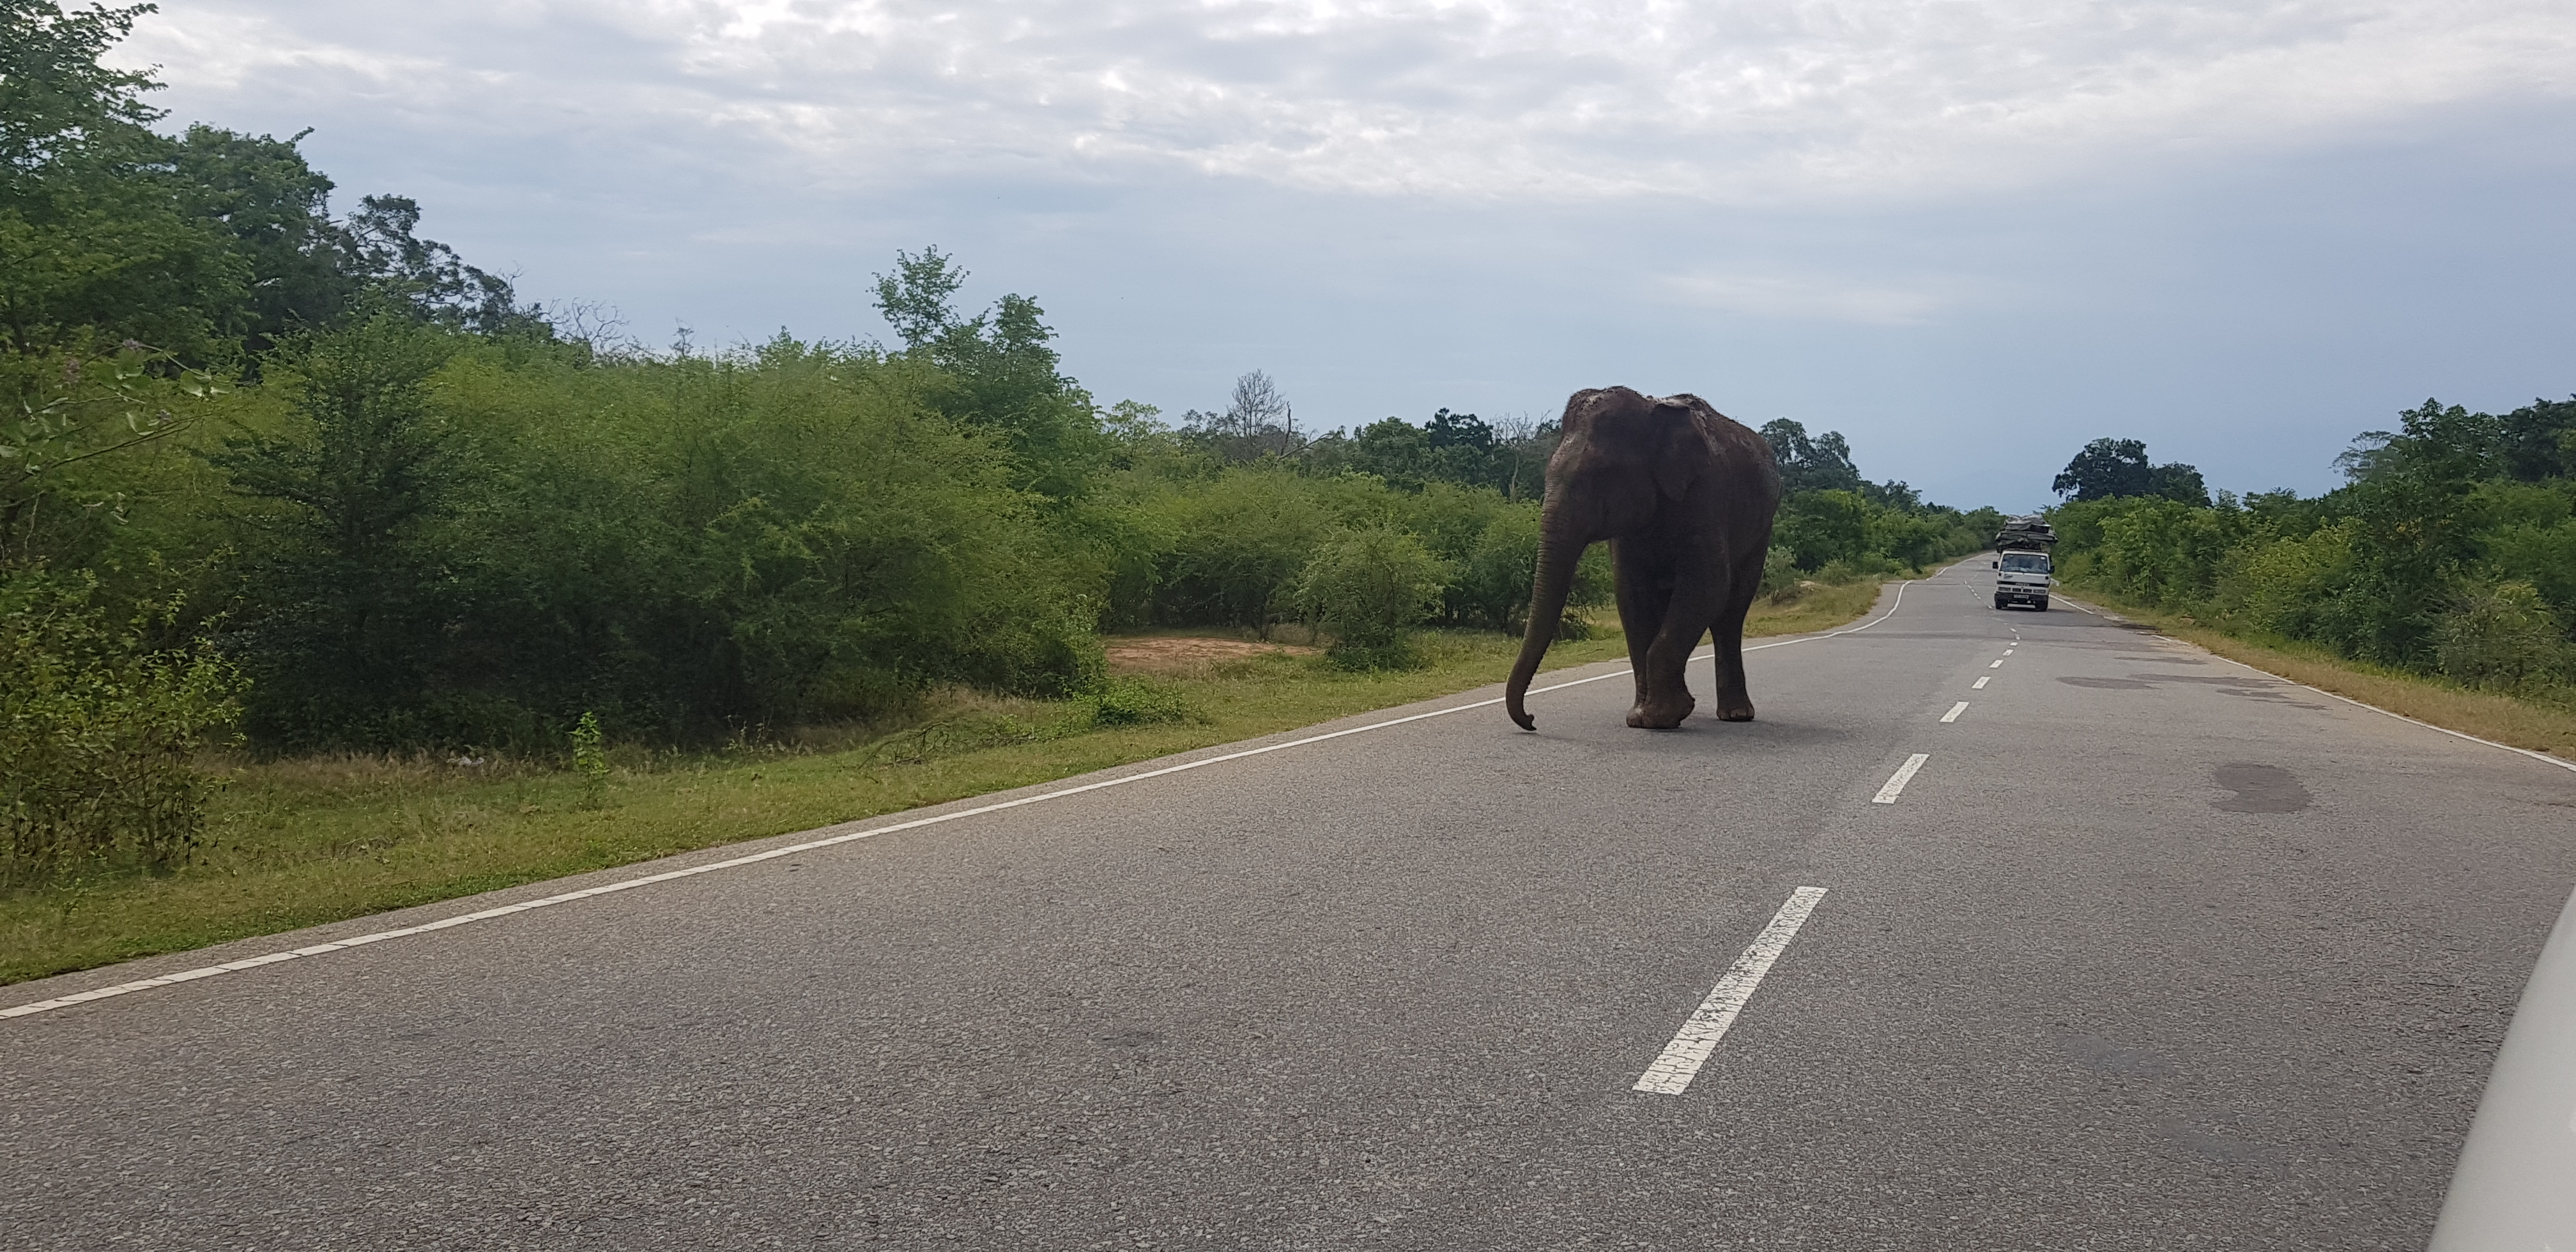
(302, 842)
(2486, 714)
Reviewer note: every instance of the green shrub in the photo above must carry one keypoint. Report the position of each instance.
(2281, 587)
(1123, 701)
(99, 730)
(2501, 635)
(1780, 574)
(1236, 547)
(590, 759)
(1369, 588)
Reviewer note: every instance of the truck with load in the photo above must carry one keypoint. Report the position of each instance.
(2022, 566)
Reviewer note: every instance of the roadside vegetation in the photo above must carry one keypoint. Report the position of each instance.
(336, 576)
(299, 841)
(2441, 576)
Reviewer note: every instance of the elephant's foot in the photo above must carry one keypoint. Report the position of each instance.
(1735, 712)
(1653, 714)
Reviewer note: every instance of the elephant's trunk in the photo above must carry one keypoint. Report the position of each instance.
(1560, 549)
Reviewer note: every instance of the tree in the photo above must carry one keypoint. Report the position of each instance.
(96, 227)
(998, 371)
(2177, 481)
(2104, 469)
(347, 585)
(428, 278)
(1371, 587)
(1258, 421)
(1459, 430)
(2539, 440)
(2109, 468)
(1823, 463)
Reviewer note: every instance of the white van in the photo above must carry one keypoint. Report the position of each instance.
(2022, 578)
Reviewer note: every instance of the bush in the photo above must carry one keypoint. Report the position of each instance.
(1120, 701)
(1237, 546)
(1369, 587)
(99, 731)
(2282, 587)
(2501, 635)
(1780, 574)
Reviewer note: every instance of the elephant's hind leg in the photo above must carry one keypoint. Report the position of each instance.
(1734, 695)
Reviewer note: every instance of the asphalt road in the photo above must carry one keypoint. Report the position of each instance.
(2151, 952)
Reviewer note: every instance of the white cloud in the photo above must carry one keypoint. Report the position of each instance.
(1769, 102)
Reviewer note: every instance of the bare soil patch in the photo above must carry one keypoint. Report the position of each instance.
(1182, 654)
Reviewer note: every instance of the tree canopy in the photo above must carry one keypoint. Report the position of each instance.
(2110, 468)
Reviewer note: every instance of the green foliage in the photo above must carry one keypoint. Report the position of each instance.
(348, 590)
(590, 759)
(1371, 587)
(2452, 551)
(2502, 635)
(2109, 469)
(1821, 463)
(99, 726)
(1779, 573)
(1123, 701)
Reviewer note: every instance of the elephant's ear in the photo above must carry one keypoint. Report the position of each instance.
(1683, 451)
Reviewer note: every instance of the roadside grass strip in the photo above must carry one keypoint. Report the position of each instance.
(1680, 1062)
(101, 993)
(1896, 782)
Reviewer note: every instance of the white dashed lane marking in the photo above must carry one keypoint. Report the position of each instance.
(1980, 684)
(1955, 711)
(1999, 664)
(1672, 1071)
(1896, 782)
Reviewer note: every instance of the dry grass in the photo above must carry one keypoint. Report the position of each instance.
(2486, 714)
(301, 842)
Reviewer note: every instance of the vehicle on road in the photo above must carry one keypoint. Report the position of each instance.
(2510, 1190)
(2027, 533)
(2022, 578)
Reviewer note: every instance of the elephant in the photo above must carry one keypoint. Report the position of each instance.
(1685, 495)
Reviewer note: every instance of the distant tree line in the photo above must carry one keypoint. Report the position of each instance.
(2449, 550)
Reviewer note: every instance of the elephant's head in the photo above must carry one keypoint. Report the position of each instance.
(1621, 457)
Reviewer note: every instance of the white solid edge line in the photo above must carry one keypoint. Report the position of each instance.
(1955, 711)
(1673, 1070)
(101, 993)
(1896, 782)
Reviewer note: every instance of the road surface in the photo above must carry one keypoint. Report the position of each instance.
(2148, 951)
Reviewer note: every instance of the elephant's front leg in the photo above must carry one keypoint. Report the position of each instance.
(1645, 598)
(1690, 604)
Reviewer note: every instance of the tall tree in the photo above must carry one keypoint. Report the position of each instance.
(2104, 469)
(347, 582)
(1823, 463)
(97, 228)
(998, 370)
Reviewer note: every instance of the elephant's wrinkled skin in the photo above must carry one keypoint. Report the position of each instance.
(1685, 496)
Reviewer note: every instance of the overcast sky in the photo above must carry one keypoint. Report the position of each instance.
(1971, 234)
